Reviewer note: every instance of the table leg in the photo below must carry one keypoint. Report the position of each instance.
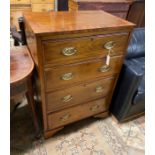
(30, 98)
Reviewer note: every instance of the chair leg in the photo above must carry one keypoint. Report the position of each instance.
(30, 98)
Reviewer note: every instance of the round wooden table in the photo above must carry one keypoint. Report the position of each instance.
(21, 68)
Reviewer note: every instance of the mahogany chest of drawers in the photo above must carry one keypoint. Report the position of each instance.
(70, 53)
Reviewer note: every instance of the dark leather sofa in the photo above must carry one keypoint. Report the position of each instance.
(129, 96)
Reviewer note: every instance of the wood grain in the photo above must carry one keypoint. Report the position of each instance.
(86, 47)
(21, 64)
(69, 22)
(118, 8)
(81, 93)
(42, 7)
(53, 76)
(76, 113)
(47, 35)
(21, 68)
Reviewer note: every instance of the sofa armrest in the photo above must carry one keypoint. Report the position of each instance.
(139, 97)
(130, 77)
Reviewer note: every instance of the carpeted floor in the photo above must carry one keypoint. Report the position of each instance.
(87, 137)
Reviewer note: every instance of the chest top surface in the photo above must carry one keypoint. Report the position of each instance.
(43, 23)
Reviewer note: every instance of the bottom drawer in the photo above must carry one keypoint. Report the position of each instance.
(73, 114)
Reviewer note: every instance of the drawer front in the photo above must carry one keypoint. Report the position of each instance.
(73, 114)
(79, 94)
(42, 7)
(72, 50)
(19, 1)
(63, 76)
(42, 1)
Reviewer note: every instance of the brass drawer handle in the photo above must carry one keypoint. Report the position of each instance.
(109, 45)
(67, 98)
(104, 68)
(99, 89)
(67, 76)
(65, 118)
(69, 51)
(94, 108)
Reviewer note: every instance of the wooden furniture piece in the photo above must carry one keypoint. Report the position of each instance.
(21, 68)
(42, 5)
(17, 7)
(73, 5)
(137, 13)
(116, 7)
(132, 10)
(70, 51)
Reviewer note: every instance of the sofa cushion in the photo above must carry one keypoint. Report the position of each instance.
(136, 46)
(137, 65)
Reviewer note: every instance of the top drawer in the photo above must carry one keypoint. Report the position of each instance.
(73, 50)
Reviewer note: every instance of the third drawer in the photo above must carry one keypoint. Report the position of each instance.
(79, 94)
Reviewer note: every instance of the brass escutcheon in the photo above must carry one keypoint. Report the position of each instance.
(104, 68)
(99, 89)
(109, 45)
(95, 108)
(69, 51)
(67, 98)
(67, 76)
(65, 117)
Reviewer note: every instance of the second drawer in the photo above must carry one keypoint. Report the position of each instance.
(60, 77)
(78, 94)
